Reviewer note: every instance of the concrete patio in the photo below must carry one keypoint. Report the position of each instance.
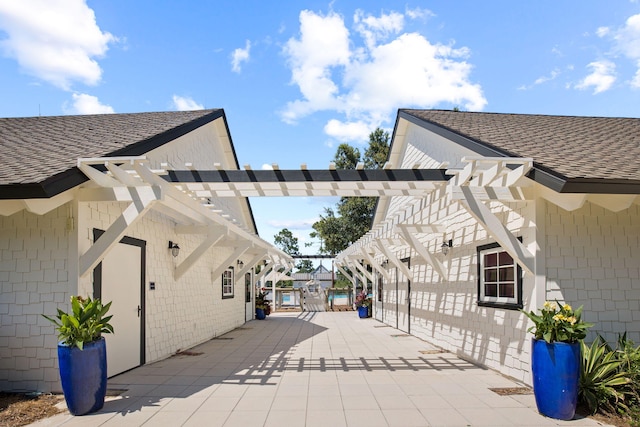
(313, 369)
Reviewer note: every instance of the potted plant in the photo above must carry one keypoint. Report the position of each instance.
(555, 358)
(263, 307)
(82, 354)
(363, 305)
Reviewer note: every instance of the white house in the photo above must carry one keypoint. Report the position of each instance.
(87, 208)
(535, 208)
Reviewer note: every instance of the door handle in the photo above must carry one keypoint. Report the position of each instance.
(139, 310)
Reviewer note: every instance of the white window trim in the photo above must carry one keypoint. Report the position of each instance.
(503, 302)
(229, 273)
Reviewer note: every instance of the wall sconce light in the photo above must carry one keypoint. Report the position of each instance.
(175, 249)
(385, 263)
(240, 264)
(446, 246)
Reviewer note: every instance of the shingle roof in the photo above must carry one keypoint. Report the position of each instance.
(569, 147)
(39, 153)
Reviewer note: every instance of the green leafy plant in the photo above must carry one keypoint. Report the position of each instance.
(85, 323)
(558, 323)
(603, 381)
(263, 303)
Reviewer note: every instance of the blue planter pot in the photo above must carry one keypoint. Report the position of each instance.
(556, 372)
(260, 314)
(363, 312)
(83, 374)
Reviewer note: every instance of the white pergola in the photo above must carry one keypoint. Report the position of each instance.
(187, 195)
(482, 180)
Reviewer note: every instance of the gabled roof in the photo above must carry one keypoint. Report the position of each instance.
(38, 155)
(571, 154)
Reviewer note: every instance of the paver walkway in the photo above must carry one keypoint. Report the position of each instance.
(313, 369)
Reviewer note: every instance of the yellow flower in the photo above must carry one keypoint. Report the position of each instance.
(559, 317)
(572, 320)
(567, 308)
(549, 306)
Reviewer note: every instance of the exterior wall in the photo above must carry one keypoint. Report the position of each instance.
(182, 313)
(39, 264)
(593, 259)
(589, 257)
(444, 311)
(34, 280)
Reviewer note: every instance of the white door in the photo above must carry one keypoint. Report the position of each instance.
(121, 284)
(248, 297)
(404, 300)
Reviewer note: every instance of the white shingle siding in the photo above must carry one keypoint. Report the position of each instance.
(33, 273)
(594, 260)
(38, 254)
(588, 257)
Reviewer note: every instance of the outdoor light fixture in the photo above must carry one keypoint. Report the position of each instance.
(175, 249)
(240, 264)
(446, 246)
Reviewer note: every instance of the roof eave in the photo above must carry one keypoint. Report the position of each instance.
(72, 177)
(542, 175)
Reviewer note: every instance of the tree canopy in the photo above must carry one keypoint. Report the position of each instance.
(353, 215)
(286, 241)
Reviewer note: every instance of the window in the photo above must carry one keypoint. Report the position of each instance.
(499, 278)
(227, 283)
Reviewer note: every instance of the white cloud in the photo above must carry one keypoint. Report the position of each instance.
(266, 167)
(54, 40)
(418, 13)
(349, 131)
(296, 224)
(373, 29)
(626, 41)
(603, 31)
(627, 38)
(552, 76)
(182, 103)
(87, 104)
(239, 56)
(601, 78)
(635, 82)
(368, 83)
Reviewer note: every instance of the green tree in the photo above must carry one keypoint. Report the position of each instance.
(347, 157)
(286, 241)
(305, 266)
(353, 215)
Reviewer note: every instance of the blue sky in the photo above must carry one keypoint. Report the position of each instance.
(298, 78)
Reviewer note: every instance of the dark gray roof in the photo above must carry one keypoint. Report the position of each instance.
(38, 155)
(571, 154)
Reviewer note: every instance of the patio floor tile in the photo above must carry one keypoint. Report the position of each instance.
(313, 369)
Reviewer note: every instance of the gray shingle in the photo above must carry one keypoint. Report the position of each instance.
(572, 147)
(33, 149)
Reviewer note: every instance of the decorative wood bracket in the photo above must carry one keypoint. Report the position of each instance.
(409, 231)
(393, 259)
(197, 253)
(143, 199)
(495, 228)
(231, 259)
